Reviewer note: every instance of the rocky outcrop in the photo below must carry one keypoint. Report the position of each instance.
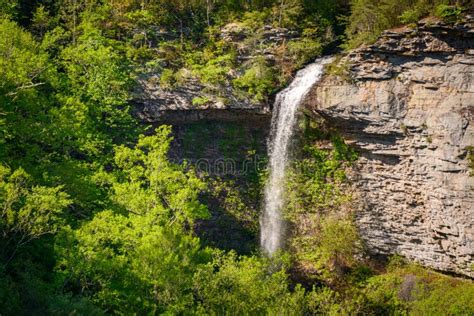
(407, 105)
(154, 103)
(261, 42)
(193, 100)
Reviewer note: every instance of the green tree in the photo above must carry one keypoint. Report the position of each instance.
(258, 80)
(369, 18)
(41, 20)
(140, 257)
(25, 71)
(98, 83)
(246, 285)
(8, 8)
(70, 13)
(27, 212)
(287, 12)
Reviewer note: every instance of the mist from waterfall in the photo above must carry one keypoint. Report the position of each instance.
(283, 124)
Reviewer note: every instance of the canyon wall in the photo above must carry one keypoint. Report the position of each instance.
(407, 104)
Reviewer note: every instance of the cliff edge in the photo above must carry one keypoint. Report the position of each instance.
(407, 104)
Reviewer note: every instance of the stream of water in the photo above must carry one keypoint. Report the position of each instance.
(284, 116)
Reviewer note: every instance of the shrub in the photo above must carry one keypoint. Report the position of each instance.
(446, 298)
(304, 50)
(215, 70)
(324, 301)
(246, 286)
(167, 79)
(328, 245)
(256, 19)
(410, 16)
(382, 295)
(449, 13)
(325, 240)
(257, 81)
(198, 101)
(338, 68)
(181, 77)
(213, 73)
(408, 288)
(314, 182)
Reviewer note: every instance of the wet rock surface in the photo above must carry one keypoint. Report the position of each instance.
(408, 107)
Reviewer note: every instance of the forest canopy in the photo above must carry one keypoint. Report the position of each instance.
(95, 219)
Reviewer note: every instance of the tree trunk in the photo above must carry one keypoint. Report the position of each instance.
(282, 5)
(208, 9)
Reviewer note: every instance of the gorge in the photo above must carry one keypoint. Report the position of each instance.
(236, 157)
(408, 112)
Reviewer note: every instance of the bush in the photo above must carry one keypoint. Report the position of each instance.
(215, 70)
(339, 68)
(167, 79)
(314, 182)
(246, 286)
(324, 301)
(257, 81)
(449, 13)
(446, 298)
(304, 50)
(256, 19)
(325, 240)
(408, 288)
(410, 16)
(382, 295)
(329, 245)
(199, 101)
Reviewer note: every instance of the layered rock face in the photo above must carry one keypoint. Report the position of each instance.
(407, 104)
(153, 103)
(177, 104)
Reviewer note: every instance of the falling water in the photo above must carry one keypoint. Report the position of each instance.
(283, 123)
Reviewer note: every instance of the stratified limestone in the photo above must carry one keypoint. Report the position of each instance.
(408, 106)
(155, 103)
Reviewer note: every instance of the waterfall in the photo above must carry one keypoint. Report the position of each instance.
(282, 128)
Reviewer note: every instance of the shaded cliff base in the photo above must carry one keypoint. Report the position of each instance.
(151, 114)
(231, 156)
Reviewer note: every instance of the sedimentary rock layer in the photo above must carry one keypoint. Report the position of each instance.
(407, 104)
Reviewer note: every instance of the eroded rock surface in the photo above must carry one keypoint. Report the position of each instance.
(157, 103)
(408, 106)
(154, 103)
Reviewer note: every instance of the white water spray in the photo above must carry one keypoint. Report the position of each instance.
(283, 123)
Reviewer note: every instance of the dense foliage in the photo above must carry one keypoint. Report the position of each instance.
(324, 240)
(369, 18)
(95, 219)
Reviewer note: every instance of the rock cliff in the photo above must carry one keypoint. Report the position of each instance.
(407, 104)
(177, 104)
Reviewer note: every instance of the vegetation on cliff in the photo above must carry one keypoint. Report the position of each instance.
(368, 18)
(95, 219)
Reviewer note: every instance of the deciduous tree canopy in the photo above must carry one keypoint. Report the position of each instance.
(95, 219)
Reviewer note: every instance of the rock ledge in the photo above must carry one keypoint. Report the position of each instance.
(409, 109)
